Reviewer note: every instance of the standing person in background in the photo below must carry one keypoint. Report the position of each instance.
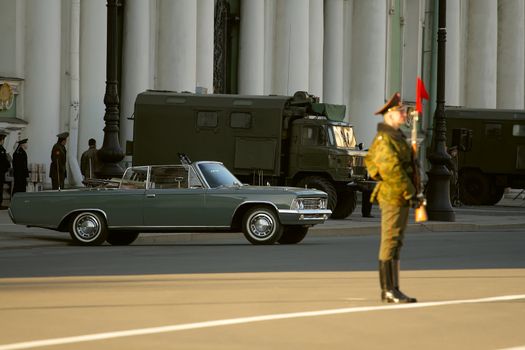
(389, 161)
(20, 169)
(57, 170)
(89, 160)
(5, 164)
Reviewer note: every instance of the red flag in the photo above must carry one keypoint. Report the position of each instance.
(421, 93)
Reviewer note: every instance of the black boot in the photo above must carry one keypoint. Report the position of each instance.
(395, 279)
(388, 277)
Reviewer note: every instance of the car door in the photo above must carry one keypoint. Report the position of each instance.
(175, 198)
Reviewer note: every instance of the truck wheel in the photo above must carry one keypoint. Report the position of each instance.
(88, 228)
(321, 184)
(121, 237)
(346, 203)
(261, 225)
(293, 234)
(496, 193)
(474, 187)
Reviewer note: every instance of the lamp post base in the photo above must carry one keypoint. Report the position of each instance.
(438, 195)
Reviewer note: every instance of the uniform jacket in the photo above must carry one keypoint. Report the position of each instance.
(20, 170)
(89, 162)
(389, 161)
(58, 161)
(4, 161)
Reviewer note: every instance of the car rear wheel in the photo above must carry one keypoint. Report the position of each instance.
(88, 228)
(121, 237)
(261, 226)
(293, 234)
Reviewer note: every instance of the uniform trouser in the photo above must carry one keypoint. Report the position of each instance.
(366, 206)
(57, 182)
(2, 182)
(394, 220)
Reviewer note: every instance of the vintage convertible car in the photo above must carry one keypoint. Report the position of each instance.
(190, 197)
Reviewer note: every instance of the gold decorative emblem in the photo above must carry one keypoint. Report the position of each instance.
(6, 96)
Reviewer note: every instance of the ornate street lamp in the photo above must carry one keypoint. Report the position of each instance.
(438, 188)
(111, 153)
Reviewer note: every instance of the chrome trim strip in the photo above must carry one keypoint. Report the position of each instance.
(84, 209)
(306, 211)
(174, 227)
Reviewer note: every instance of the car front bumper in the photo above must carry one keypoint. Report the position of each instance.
(304, 217)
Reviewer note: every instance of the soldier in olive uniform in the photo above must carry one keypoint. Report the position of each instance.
(57, 171)
(389, 161)
(20, 169)
(5, 164)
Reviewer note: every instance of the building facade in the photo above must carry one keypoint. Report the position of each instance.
(352, 52)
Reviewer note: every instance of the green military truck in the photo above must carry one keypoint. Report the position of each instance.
(276, 140)
(491, 151)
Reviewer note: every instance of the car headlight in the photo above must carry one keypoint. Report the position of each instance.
(297, 204)
(309, 203)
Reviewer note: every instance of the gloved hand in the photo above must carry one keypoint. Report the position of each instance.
(418, 200)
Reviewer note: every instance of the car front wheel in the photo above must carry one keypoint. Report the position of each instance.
(88, 228)
(261, 226)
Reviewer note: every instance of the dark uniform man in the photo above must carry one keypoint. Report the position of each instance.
(389, 161)
(20, 169)
(89, 160)
(57, 171)
(5, 164)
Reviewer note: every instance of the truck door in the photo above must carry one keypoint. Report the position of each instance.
(309, 147)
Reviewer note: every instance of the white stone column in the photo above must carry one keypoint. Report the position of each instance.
(333, 51)
(348, 7)
(269, 45)
(511, 64)
(291, 56)
(42, 79)
(482, 54)
(135, 62)
(177, 45)
(367, 92)
(454, 54)
(316, 50)
(93, 34)
(251, 48)
(205, 28)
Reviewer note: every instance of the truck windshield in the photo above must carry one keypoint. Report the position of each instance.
(341, 136)
(218, 175)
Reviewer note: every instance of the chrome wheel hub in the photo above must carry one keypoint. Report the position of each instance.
(261, 225)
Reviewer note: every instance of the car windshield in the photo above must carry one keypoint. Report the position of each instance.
(342, 136)
(217, 175)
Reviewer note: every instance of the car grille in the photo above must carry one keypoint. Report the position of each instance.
(312, 203)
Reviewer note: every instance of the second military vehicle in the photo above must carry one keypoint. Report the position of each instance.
(276, 140)
(491, 151)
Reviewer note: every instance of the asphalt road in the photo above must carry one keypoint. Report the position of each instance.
(322, 293)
